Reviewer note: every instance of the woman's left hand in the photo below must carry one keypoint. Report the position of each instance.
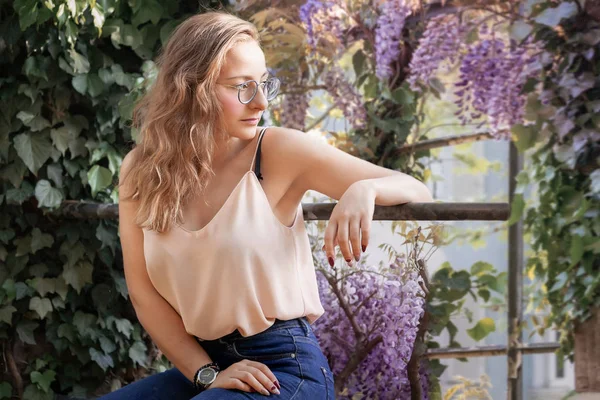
(350, 223)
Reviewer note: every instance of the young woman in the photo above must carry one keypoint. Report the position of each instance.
(216, 256)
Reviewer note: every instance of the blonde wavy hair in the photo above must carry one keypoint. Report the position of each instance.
(180, 118)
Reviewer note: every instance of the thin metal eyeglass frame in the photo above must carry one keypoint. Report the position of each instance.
(255, 90)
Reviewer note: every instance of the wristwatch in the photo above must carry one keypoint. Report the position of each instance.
(205, 376)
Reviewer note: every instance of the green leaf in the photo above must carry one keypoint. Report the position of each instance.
(80, 83)
(483, 328)
(480, 267)
(167, 29)
(80, 63)
(34, 150)
(576, 249)
(130, 36)
(6, 314)
(46, 195)
(9, 287)
(484, 294)
(516, 209)
(519, 30)
(40, 306)
(77, 148)
(103, 360)
(43, 380)
(403, 96)
(25, 330)
(44, 285)
(99, 178)
(61, 138)
(40, 240)
(85, 324)
(98, 16)
(525, 136)
(150, 10)
(5, 390)
(35, 122)
(124, 326)
(108, 346)
(23, 245)
(552, 16)
(28, 12)
(67, 331)
(14, 172)
(358, 62)
(55, 173)
(137, 353)
(95, 85)
(18, 196)
(106, 236)
(78, 275)
(460, 280)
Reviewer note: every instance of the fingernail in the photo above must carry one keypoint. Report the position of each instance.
(265, 392)
(277, 384)
(364, 248)
(330, 259)
(357, 258)
(275, 390)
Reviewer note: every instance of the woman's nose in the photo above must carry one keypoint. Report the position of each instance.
(260, 100)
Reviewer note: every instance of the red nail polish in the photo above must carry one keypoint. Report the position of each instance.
(330, 259)
(364, 248)
(277, 384)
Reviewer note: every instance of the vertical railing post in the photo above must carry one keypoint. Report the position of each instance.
(515, 286)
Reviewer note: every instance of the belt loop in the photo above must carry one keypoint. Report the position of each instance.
(305, 325)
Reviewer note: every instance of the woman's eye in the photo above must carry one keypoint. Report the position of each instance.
(243, 86)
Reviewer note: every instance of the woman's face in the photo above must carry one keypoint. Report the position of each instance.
(243, 62)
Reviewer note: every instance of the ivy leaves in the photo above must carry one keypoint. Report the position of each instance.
(561, 137)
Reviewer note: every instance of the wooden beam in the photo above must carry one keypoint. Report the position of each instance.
(74, 209)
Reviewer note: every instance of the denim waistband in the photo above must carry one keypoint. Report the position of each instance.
(301, 322)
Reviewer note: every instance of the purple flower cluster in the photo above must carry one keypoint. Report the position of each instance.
(346, 97)
(441, 43)
(507, 105)
(478, 72)
(385, 303)
(321, 18)
(388, 35)
(491, 79)
(293, 110)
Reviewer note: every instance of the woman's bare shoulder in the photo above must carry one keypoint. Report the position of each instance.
(126, 165)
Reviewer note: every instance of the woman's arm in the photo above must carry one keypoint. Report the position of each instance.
(316, 165)
(159, 319)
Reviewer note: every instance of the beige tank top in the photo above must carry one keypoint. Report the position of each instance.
(242, 270)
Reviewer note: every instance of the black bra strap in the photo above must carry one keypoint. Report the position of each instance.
(257, 157)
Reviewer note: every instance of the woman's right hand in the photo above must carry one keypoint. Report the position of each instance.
(248, 376)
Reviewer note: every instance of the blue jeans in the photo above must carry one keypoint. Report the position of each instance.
(289, 348)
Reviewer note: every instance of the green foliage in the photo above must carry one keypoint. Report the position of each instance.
(562, 135)
(71, 73)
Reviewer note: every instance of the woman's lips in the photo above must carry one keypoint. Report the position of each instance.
(251, 121)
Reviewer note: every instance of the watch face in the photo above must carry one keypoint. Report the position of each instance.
(207, 375)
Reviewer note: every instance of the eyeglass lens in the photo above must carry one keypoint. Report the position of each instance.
(248, 91)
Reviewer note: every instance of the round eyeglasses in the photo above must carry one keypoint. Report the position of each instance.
(247, 90)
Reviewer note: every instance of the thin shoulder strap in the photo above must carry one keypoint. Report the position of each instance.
(257, 154)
